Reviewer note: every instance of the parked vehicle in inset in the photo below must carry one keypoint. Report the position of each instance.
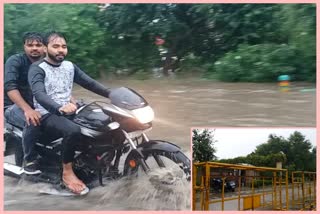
(216, 185)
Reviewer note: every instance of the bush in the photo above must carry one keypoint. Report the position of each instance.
(256, 63)
(191, 63)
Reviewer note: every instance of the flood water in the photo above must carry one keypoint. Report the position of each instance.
(178, 105)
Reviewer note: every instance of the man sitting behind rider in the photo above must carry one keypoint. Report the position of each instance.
(51, 80)
(18, 97)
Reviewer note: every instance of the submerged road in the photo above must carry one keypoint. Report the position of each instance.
(178, 105)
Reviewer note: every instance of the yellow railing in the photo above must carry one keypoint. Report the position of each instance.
(271, 194)
(303, 190)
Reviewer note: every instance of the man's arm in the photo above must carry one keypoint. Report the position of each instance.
(36, 80)
(81, 78)
(11, 73)
(17, 99)
(11, 77)
(30, 114)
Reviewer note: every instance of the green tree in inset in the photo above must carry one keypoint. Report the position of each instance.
(203, 146)
(296, 153)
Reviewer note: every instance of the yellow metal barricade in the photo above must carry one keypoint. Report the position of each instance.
(257, 188)
(303, 190)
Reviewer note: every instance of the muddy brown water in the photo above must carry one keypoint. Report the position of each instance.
(178, 105)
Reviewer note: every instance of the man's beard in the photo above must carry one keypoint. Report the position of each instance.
(37, 56)
(55, 58)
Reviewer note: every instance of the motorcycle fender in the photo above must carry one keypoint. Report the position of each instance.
(158, 145)
(145, 147)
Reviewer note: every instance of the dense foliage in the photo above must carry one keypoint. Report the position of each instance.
(257, 63)
(270, 39)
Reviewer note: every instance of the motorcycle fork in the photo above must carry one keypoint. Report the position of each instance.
(117, 160)
(156, 157)
(140, 156)
(141, 160)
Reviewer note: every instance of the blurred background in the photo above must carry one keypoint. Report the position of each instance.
(225, 42)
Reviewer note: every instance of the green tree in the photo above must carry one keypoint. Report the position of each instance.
(297, 149)
(301, 152)
(267, 41)
(269, 160)
(203, 145)
(206, 30)
(277, 37)
(296, 153)
(298, 27)
(137, 26)
(256, 63)
(275, 144)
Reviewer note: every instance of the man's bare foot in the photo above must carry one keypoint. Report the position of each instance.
(71, 181)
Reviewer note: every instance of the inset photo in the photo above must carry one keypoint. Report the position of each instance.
(254, 169)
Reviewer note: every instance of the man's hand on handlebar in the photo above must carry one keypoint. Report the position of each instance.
(70, 108)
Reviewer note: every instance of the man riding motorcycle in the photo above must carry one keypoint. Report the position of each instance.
(51, 80)
(18, 101)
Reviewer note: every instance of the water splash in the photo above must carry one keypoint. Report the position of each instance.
(150, 192)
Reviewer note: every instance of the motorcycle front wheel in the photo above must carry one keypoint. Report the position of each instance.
(176, 163)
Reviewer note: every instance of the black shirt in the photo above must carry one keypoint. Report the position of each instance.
(16, 77)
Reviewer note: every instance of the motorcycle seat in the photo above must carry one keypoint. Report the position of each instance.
(11, 126)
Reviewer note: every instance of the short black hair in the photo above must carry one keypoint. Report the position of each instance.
(50, 34)
(32, 36)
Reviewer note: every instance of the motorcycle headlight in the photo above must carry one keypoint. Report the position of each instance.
(144, 115)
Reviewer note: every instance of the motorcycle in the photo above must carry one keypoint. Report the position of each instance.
(216, 185)
(110, 130)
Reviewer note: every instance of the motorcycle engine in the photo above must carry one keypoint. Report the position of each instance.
(87, 166)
